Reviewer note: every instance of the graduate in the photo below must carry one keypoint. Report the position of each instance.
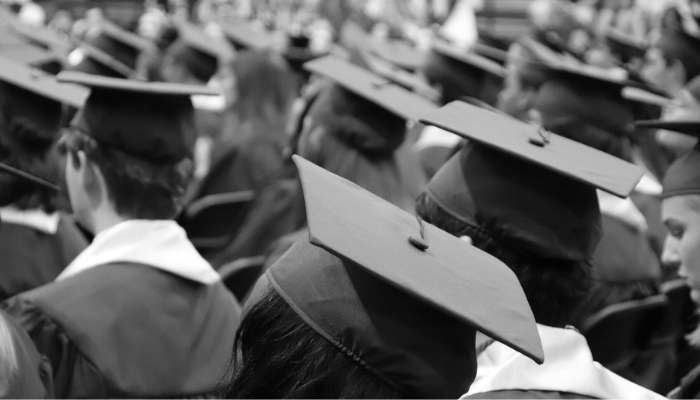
(590, 109)
(31, 105)
(24, 373)
(139, 313)
(681, 193)
(528, 197)
(373, 304)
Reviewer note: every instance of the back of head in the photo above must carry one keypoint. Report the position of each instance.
(357, 140)
(264, 87)
(591, 116)
(546, 233)
(294, 362)
(457, 79)
(29, 127)
(677, 45)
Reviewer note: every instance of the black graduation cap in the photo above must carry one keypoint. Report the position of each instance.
(407, 80)
(626, 46)
(199, 52)
(40, 83)
(150, 120)
(43, 37)
(91, 60)
(399, 53)
(683, 176)
(37, 57)
(590, 95)
(120, 44)
(244, 36)
(469, 58)
(555, 213)
(376, 89)
(396, 295)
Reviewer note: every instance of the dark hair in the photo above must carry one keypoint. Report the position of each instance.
(458, 79)
(27, 143)
(137, 187)
(613, 143)
(279, 356)
(554, 288)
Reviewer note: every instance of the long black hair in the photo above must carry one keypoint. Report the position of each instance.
(554, 288)
(280, 356)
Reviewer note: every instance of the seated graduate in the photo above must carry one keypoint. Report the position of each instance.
(591, 109)
(354, 128)
(37, 240)
(24, 373)
(373, 303)
(681, 200)
(139, 312)
(528, 197)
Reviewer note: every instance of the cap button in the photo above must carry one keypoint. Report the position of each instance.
(418, 243)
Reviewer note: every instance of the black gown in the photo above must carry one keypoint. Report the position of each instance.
(32, 258)
(130, 330)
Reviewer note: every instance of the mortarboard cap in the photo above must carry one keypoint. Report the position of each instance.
(37, 57)
(199, 52)
(376, 89)
(469, 58)
(244, 36)
(585, 95)
(399, 296)
(117, 42)
(91, 60)
(625, 46)
(40, 83)
(460, 72)
(683, 176)
(399, 53)
(41, 36)
(555, 214)
(537, 146)
(149, 120)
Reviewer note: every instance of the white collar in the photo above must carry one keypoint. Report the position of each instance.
(37, 219)
(649, 185)
(568, 367)
(432, 136)
(622, 209)
(161, 244)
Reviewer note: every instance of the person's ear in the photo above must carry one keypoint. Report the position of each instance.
(90, 177)
(677, 72)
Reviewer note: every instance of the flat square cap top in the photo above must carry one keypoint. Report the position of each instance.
(121, 35)
(245, 36)
(686, 127)
(372, 87)
(41, 83)
(199, 40)
(423, 261)
(128, 85)
(533, 144)
(468, 57)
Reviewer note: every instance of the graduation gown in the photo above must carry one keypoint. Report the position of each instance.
(568, 372)
(35, 247)
(158, 324)
(24, 373)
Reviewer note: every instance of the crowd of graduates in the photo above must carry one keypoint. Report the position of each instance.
(338, 198)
